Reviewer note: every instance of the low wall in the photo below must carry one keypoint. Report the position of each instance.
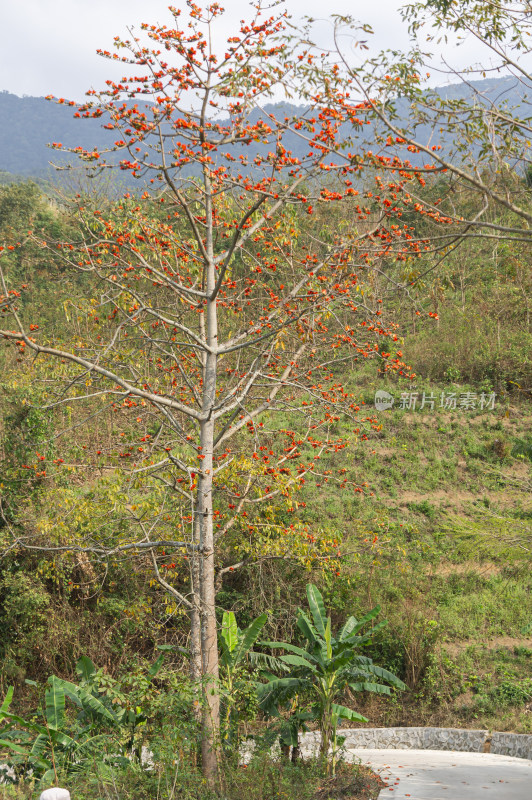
(472, 741)
(417, 738)
(512, 744)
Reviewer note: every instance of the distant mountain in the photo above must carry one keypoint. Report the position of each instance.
(494, 90)
(30, 123)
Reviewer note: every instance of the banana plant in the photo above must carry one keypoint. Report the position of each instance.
(53, 744)
(52, 741)
(322, 671)
(236, 652)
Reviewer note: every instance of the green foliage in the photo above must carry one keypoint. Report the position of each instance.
(523, 448)
(465, 350)
(502, 687)
(408, 643)
(51, 741)
(27, 429)
(510, 693)
(321, 672)
(485, 533)
(25, 604)
(237, 688)
(424, 507)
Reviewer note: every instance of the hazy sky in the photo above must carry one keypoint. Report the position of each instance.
(48, 46)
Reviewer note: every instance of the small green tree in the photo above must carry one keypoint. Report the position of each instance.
(235, 646)
(325, 669)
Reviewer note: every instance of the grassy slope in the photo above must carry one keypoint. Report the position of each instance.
(452, 510)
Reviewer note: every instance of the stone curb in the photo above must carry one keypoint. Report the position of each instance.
(518, 745)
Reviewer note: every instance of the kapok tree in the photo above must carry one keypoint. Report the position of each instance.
(225, 308)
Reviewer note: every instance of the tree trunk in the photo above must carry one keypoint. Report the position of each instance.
(325, 738)
(209, 639)
(210, 742)
(196, 666)
(195, 613)
(285, 751)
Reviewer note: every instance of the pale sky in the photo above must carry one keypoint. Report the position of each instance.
(48, 46)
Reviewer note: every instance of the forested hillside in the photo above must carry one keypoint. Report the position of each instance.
(265, 421)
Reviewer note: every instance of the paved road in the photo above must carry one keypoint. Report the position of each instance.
(449, 775)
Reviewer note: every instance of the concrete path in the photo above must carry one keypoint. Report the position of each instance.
(449, 775)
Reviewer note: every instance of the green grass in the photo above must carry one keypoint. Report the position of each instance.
(451, 509)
